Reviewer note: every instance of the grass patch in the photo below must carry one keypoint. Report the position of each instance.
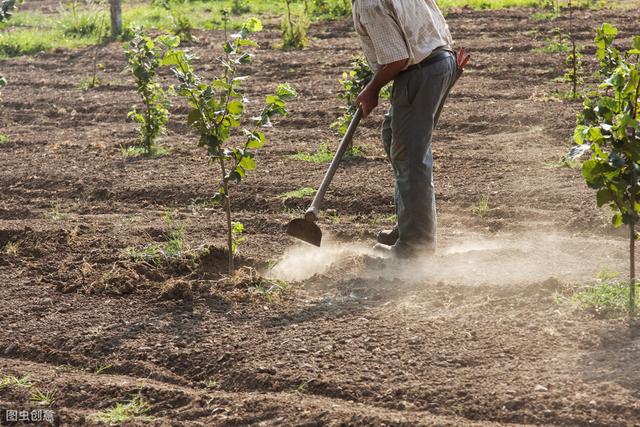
(136, 152)
(324, 154)
(11, 380)
(379, 219)
(555, 44)
(271, 290)
(482, 207)
(298, 194)
(89, 83)
(57, 214)
(11, 249)
(173, 248)
(135, 409)
(40, 397)
(607, 296)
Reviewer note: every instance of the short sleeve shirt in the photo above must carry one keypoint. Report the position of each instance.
(394, 30)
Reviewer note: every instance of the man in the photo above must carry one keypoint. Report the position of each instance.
(407, 42)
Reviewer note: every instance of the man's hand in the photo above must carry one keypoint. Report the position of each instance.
(368, 100)
(369, 97)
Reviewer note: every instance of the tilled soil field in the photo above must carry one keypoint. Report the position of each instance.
(482, 334)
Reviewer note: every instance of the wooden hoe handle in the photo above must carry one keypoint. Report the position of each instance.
(312, 213)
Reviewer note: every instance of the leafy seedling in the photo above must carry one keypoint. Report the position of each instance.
(217, 111)
(609, 128)
(294, 31)
(144, 55)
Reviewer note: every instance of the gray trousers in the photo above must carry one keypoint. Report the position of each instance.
(406, 134)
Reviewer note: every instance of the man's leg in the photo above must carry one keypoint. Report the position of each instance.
(416, 99)
(388, 237)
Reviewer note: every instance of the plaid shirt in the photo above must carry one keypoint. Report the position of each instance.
(393, 30)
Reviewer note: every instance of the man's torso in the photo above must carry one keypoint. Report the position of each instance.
(390, 29)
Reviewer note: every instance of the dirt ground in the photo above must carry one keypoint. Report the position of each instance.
(473, 336)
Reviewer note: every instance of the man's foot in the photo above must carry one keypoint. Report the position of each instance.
(402, 251)
(388, 237)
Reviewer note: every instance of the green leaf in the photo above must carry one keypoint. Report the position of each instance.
(636, 43)
(169, 41)
(253, 25)
(194, 117)
(172, 57)
(604, 196)
(236, 107)
(286, 91)
(616, 221)
(248, 163)
(255, 139)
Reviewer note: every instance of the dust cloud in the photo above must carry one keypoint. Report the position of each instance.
(465, 259)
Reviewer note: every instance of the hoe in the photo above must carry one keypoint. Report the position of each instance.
(305, 228)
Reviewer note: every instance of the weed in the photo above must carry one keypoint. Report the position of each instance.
(324, 154)
(57, 214)
(295, 211)
(240, 7)
(482, 207)
(4, 138)
(331, 9)
(135, 409)
(297, 194)
(543, 16)
(5, 382)
(40, 397)
(157, 254)
(134, 151)
(236, 236)
(21, 382)
(78, 24)
(302, 388)
(102, 368)
(212, 384)
(556, 44)
(384, 219)
(11, 248)
(271, 290)
(182, 27)
(89, 83)
(606, 297)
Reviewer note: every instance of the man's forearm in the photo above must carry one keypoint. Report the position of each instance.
(386, 73)
(368, 98)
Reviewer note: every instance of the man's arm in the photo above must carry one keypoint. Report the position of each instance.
(369, 97)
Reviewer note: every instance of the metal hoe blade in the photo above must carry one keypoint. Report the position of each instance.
(305, 230)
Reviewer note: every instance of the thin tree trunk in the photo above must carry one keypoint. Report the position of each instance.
(289, 18)
(632, 244)
(227, 208)
(632, 226)
(116, 18)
